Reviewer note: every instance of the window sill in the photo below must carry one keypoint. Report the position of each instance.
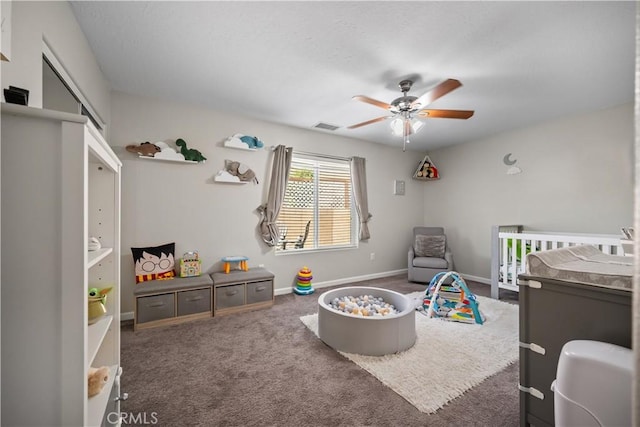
(312, 251)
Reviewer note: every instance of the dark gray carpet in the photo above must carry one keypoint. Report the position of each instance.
(266, 368)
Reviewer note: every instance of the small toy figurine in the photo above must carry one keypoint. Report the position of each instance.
(97, 300)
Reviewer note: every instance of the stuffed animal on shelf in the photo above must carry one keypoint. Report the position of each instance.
(145, 149)
(240, 170)
(97, 300)
(252, 141)
(189, 153)
(97, 378)
(428, 171)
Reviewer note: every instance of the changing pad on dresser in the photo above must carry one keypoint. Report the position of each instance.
(582, 264)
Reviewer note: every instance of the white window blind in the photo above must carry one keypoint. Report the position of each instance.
(319, 194)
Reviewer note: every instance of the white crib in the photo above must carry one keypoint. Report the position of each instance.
(510, 246)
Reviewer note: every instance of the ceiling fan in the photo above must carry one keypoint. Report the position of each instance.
(406, 109)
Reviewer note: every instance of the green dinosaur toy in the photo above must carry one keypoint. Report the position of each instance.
(189, 153)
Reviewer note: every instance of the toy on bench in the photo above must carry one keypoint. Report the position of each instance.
(452, 301)
(241, 260)
(190, 264)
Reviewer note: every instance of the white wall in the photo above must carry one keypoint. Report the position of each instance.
(53, 21)
(165, 202)
(576, 177)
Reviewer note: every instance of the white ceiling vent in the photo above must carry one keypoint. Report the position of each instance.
(325, 126)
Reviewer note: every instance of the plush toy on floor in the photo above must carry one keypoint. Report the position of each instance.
(303, 282)
(97, 378)
(189, 153)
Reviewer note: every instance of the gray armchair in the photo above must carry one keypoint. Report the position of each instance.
(429, 254)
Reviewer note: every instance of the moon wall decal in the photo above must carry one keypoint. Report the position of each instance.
(507, 161)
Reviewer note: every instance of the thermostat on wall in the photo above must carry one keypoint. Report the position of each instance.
(398, 187)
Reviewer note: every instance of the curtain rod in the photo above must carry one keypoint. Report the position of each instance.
(325, 156)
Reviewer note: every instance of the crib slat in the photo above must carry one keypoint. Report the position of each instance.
(523, 256)
(505, 261)
(513, 264)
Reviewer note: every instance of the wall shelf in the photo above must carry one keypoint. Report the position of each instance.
(97, 256)
(95, 334)
(426, 170)
(235, 142)
(238, 147)
(224, 181)
(97, 405)
(169, 160)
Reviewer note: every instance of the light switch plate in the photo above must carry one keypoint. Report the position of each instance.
(398, 187)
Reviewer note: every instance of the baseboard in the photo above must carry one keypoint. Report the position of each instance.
(478, 279)
(319, 285)
(345, 280)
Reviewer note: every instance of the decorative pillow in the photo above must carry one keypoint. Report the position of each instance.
(154, 263)
(429, 246)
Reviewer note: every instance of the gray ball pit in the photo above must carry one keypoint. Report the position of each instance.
(371, 336)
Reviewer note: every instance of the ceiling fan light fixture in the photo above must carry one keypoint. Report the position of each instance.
(416, 125)
(405, 107)
(398, 126)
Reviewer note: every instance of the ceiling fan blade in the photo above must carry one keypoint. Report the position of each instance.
(368, 122)
(442, 89)
(372, 101)
(445, 114)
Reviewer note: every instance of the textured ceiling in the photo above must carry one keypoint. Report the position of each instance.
(300, 63)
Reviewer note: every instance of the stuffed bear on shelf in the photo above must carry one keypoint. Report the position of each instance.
(97, 378)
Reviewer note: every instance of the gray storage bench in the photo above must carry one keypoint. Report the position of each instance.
(239, 290)
(165, 302)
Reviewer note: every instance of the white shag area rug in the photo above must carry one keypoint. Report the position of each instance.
(448, 358)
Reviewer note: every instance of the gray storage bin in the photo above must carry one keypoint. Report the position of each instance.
(155, 307)
(259, 291)
(229, 296)
(196, 301)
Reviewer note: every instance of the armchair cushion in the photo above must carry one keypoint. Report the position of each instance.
(430, 246)
(430, 262)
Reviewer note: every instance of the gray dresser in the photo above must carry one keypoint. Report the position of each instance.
(553, 312)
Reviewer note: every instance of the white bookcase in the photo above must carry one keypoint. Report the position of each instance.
(60, 186)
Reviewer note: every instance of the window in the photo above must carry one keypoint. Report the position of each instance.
(318, 194)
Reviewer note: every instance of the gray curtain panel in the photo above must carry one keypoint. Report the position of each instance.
(359, 183)
(269, 211)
